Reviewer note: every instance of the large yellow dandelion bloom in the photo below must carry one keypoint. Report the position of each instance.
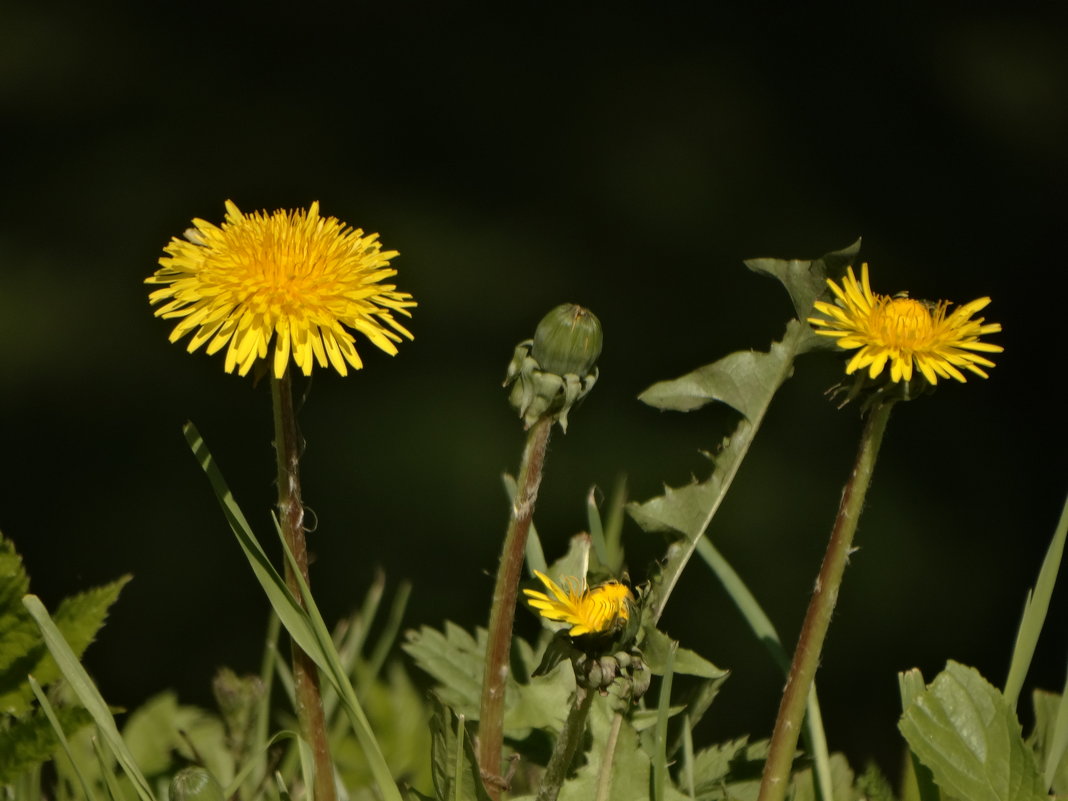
(589, 611)
(909, 334)
(291, 278)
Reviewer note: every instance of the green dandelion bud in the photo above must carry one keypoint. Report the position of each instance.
(195, 784)
(568, 340)
(553, 371)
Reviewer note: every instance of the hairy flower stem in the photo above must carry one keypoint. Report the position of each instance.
(309, 701)
(776, 778)
(502, 613)
(566, 745)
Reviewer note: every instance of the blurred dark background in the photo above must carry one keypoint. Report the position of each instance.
(624, 157)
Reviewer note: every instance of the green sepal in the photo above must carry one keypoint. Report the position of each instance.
(965, 731)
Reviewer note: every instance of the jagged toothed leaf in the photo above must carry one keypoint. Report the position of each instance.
(746, 381)
(22, 651)
(965, 731)
(31, 740)
(729, 770)
(453, 763)
(455, 660)
(655, 648)
(805, 280)
(873, 785)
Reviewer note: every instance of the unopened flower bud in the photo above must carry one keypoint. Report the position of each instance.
(195, 784)
(568, 340)
(552, 372)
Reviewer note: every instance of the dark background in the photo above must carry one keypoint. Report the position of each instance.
(624, 157)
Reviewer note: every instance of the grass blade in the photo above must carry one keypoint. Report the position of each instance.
(86, 692)
(305, 625)
(50, 713)
(1035, 608)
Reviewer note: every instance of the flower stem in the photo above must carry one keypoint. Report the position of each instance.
(566, 745)
(309, 702)
(502, 613)
(774, 783)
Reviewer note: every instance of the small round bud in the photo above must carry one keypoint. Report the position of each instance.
(568, 340)
(195, 784)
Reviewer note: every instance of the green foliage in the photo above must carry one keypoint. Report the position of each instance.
(30, 740)
(746, 381)
(967, 733)
(1050, 739)
(27, 738)
(453, 762)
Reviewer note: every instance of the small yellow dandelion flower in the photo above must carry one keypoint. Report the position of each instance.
(291, 278)
(589, 610)
(906, 333)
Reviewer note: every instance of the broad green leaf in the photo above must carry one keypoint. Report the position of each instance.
(873, 785)
(918, 780)
(745, 381)
(965, 731)
(161, 728)
(1035, 608)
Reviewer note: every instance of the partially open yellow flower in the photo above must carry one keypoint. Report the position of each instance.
(904, 332)
(291, 279)
(589, 610)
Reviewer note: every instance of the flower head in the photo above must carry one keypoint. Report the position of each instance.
(909, 334)
(593, 610)
(293, 278)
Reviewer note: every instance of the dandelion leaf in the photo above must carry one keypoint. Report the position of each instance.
(22, 651)
(729, 770)
(655, 647)
(746, 381)
(965, 731)
(804, 787)
(453, 764)
(31, 740)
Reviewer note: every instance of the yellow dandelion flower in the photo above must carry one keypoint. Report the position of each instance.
(293, 278)
(589, 610)
(909, 334)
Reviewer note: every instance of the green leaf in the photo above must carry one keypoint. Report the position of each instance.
(86, 692)
(22, 651)
(29, 741)
(454, 765)
(657, 654)
(730, 770)
(806, 281)
(966, 732)
(455, 660)
(304, 624)
(1050, 738)
(746, 381)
